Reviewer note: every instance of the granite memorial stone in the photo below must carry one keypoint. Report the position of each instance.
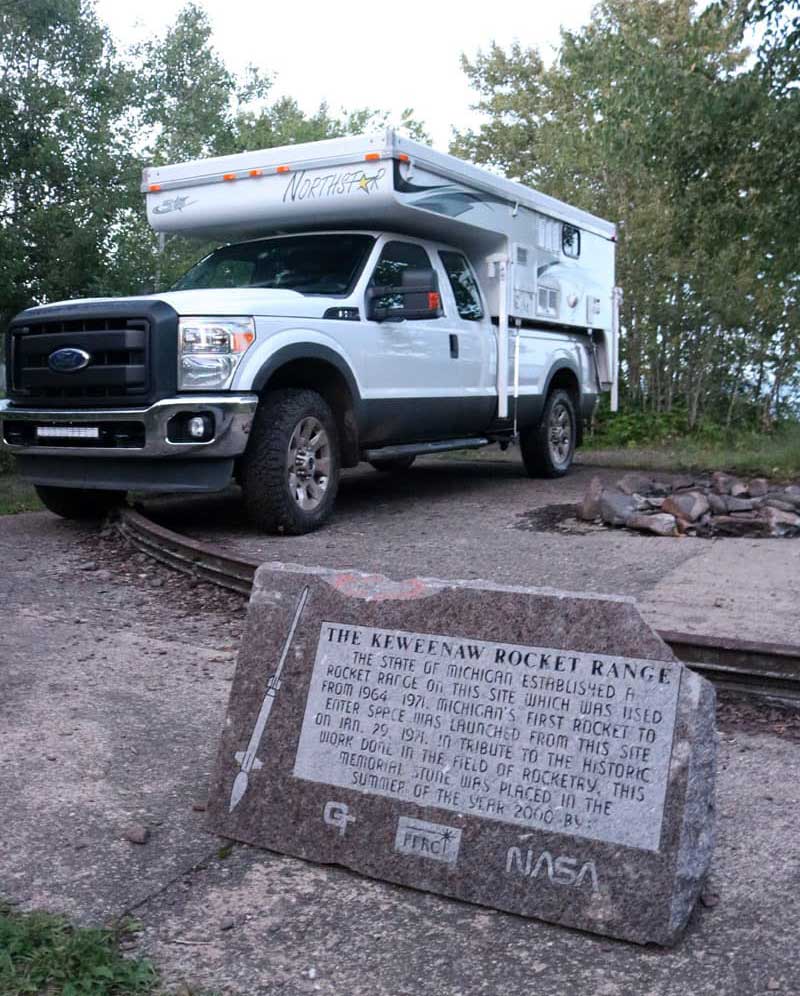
(534, 751)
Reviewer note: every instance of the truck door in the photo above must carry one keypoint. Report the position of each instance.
(420, 385)
(471, 335)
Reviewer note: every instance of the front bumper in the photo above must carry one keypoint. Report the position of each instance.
(233, 416)
(143, 458)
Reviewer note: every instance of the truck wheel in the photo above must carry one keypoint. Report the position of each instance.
(79, 503)
(290, 470)
(548, 448)
(393, 466)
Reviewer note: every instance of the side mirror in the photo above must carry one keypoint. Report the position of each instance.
(416, 298)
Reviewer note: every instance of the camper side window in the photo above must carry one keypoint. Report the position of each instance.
(396, 257)
(465, 290)
(571, 241)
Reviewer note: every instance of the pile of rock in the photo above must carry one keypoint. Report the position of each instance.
(719, 505)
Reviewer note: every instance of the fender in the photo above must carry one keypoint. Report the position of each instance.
(563, 364)
(307, 351)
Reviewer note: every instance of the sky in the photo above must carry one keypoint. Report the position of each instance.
(388, 55)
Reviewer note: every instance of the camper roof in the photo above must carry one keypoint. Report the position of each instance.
(256, 208)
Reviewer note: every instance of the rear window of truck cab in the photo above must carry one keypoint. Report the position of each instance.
(309, 264)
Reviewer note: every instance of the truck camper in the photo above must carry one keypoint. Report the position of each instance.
(371, 300)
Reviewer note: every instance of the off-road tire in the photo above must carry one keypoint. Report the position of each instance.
(541, 454)
(395, 465)
(79, 503)
(270, 502)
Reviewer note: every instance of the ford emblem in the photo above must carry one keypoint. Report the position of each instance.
(68, 360)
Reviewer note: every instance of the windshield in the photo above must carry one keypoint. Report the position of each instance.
(309, 264)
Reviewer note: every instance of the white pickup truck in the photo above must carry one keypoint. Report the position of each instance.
(373, 300)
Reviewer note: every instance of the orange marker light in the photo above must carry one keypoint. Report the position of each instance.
(241, 340)
(228, 176)
(282, 169)
(372, 156)
(154, 187)
(256, 172)
(403, 157)
(433, 300)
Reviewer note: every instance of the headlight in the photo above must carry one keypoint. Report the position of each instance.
(210, 349)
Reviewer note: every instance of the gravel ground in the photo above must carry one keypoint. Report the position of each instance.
(484, 519)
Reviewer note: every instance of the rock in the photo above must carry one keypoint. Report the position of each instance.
(137, 834)
(773, 985)
(682, 482)
(791, 494)
(90, 565)
(739, 504)
(742, 524)
(634, 483)
(690, 505)
(758, 487)
(655, 503)
(589, 508)
(721, 483)
(227, 923)
(738, 488)
(199, 807)
(717, 504)
(780, 523)
(103, 575)
(661, 524)
(773, 502)
(635, 872)
(616, 509)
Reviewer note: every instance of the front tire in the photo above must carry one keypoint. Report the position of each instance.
(549, 447)
(290, 470)
(79, 503)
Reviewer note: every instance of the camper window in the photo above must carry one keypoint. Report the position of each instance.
(465, 290)
(309, 264)
(395, 258)
(571, 241)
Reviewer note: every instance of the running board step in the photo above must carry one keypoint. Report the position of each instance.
(420, 449)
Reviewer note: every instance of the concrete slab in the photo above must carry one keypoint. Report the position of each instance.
(108, 721)
(133, 731)
(262, 924)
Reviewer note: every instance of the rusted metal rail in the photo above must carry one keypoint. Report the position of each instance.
(768, 670)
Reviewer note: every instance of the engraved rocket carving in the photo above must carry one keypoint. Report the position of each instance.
(247, 759)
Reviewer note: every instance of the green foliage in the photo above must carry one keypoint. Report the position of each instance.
(64, 150)
(40, 953)
(78, 122)
(665, 440)
(652, 116)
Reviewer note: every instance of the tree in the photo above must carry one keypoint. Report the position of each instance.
(650, 116)
(64, 151)
(79, 121)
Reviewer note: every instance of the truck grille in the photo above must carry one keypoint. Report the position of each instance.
(117, 372)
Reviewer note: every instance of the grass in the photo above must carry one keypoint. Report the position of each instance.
(17, 496)
(775, 455)
(42, 953)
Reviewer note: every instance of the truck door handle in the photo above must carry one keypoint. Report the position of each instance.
(454, 346)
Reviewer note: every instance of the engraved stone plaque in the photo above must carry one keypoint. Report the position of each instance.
(541, 738)
(539, 752)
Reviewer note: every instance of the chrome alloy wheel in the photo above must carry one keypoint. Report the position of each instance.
(559, 434)
(309, 463)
